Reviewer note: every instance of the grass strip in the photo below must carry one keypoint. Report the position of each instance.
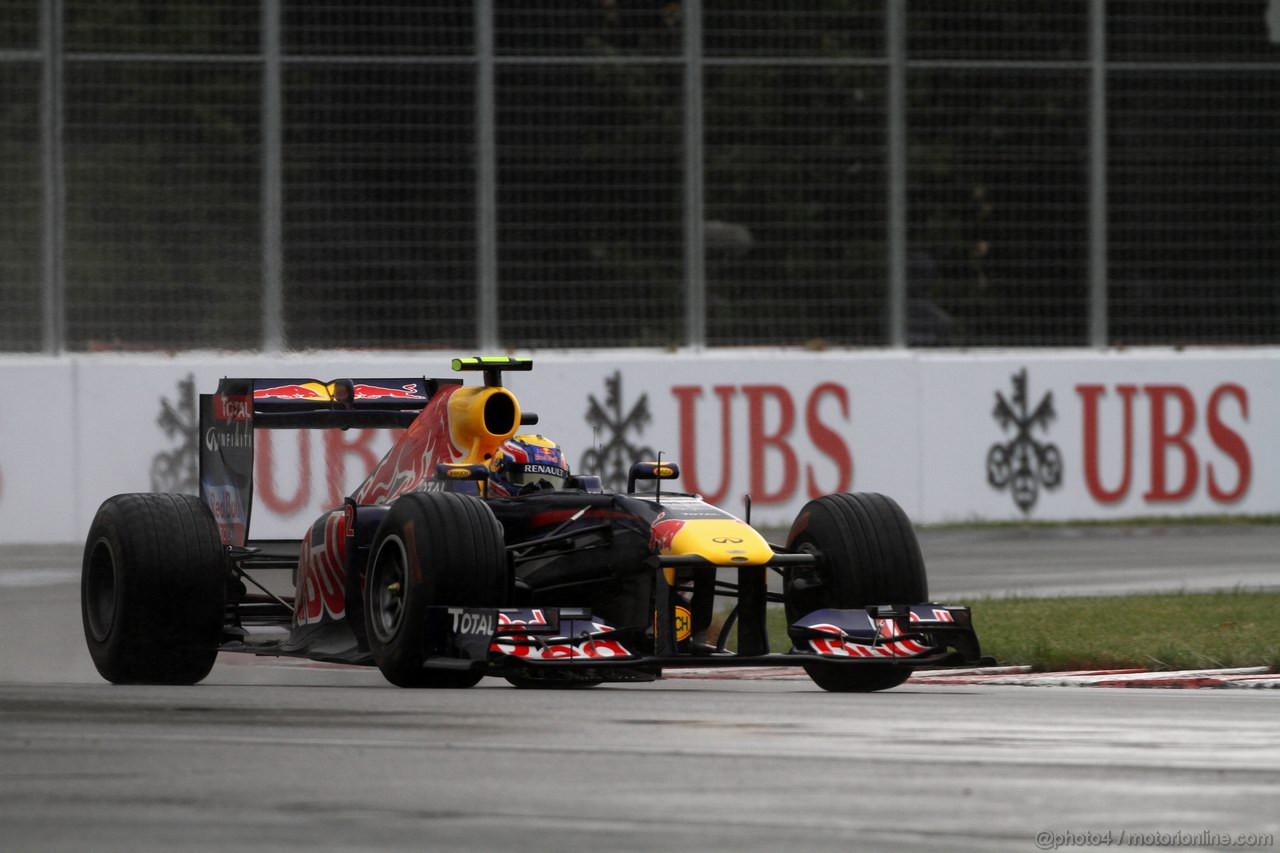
(1170, 631)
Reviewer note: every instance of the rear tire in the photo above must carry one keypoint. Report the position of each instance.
(433, 548)
(867, 554)
(153, 587)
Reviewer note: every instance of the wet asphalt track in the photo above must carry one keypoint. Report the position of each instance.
(270, 755)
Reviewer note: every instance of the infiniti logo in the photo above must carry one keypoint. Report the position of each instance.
(727, 540)
(215, 440)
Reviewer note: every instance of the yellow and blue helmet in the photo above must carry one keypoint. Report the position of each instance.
(527, 463)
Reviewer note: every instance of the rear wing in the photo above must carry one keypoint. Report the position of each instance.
(229, 417)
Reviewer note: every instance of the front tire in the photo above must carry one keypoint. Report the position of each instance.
(867, 554)
(432, 548)
(153, 587)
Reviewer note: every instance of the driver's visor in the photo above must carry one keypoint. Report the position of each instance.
(533, 472)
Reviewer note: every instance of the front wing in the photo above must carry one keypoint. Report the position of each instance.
(512, 641)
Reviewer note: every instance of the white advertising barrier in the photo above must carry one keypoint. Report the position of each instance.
(38, 462)
(953, 437)
(1099, 436)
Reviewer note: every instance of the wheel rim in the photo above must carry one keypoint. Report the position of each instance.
(386, 589)
(101, 581)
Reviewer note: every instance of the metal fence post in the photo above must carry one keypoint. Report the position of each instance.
(54, 302)
(273, 331)
(896, 168)
(486, 183)
(695, 267)
(1098, 174)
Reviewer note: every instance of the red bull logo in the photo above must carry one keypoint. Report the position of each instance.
(310, 391)
(228, 512)
(663, 534)
(320, 391)
(546, 454)
(408, 391)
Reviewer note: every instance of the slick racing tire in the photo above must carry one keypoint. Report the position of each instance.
(153, 586)
(867, 554)
(432, 548)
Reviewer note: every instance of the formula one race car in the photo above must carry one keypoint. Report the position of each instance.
(437, 576)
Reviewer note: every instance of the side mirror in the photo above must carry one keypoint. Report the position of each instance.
(446, 471)
(465, 473)
(651, 471)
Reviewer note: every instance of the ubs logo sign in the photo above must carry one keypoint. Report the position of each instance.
(1022, 464)
(612, 459)
(174, 470)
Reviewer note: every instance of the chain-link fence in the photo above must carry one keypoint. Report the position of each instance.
(278, 173)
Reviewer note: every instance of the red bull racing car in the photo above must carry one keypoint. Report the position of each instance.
(438, 576)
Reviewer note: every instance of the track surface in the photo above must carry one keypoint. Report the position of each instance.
(271, 755)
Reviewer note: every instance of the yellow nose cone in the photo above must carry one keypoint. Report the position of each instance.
(723, 541)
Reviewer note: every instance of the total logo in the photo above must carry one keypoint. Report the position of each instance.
(232, 407)
(472, 622)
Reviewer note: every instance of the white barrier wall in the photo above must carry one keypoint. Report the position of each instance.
(40, 482)
(1008, 435)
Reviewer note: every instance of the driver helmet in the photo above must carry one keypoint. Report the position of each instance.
(527, 463)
